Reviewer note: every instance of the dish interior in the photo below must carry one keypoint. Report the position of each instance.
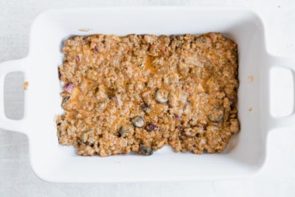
(54, 162)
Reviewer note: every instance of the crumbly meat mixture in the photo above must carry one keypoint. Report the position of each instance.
(137, 93)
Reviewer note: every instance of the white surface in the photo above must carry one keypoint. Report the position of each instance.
(281, 92)
(17, 179)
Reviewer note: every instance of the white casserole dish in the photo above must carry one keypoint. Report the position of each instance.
(53, 162)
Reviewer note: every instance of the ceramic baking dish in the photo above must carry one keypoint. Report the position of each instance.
(50, 161)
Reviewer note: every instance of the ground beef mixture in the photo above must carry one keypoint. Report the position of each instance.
(137, 93)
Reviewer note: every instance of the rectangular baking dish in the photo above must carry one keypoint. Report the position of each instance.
(246, 153)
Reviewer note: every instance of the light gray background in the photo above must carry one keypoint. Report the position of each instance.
(16, 176)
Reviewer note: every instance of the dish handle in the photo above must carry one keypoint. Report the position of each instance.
(289, 120)
(6, 68)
